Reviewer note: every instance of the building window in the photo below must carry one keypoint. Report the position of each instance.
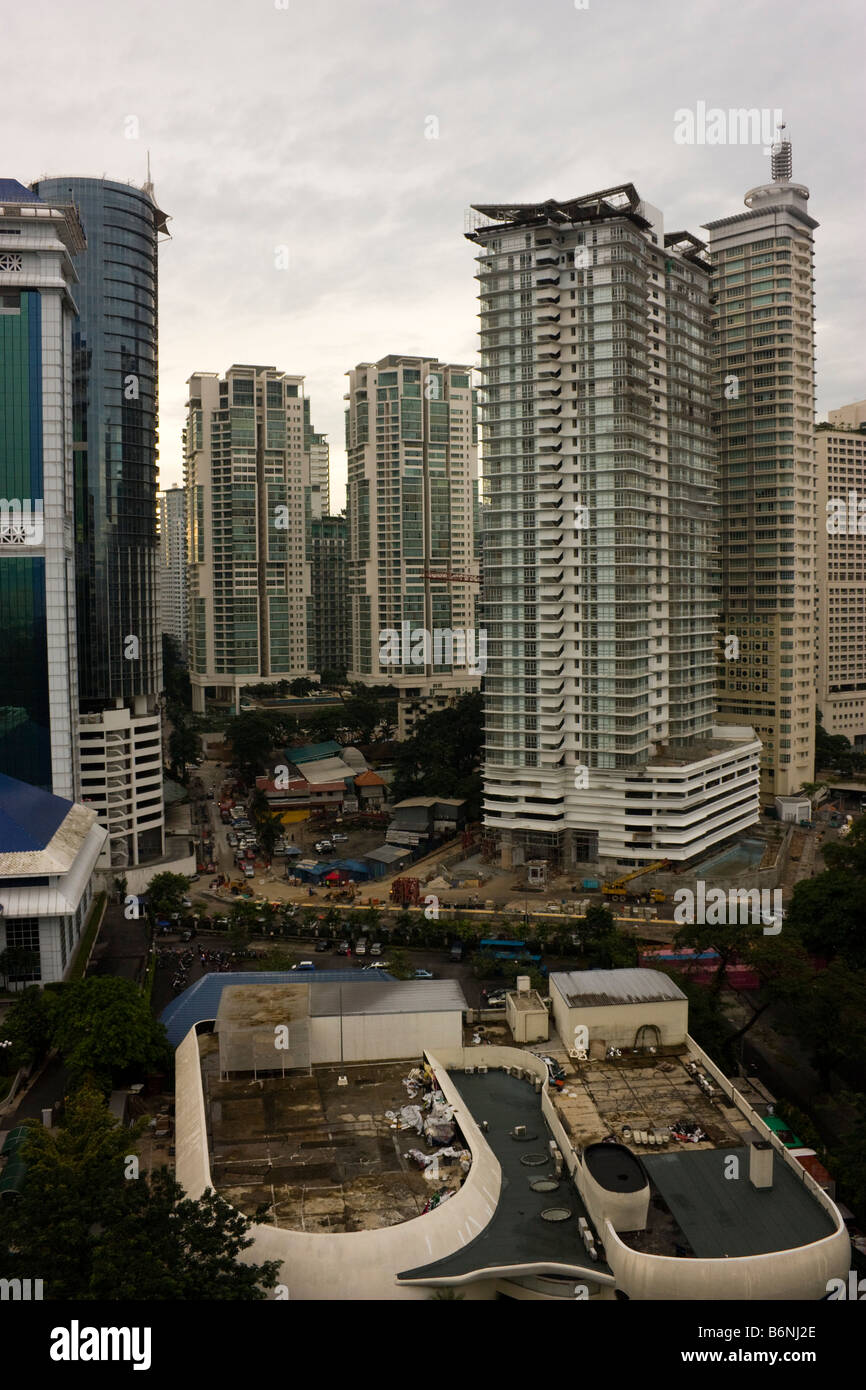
(23, 962)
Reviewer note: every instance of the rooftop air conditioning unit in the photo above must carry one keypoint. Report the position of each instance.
(468, 1071)
(482, 1069)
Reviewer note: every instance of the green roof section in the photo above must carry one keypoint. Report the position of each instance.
(785, 1133)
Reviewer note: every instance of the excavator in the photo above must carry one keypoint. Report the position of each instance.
(617, 888)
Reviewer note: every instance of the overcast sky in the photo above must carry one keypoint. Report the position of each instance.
(305, 124)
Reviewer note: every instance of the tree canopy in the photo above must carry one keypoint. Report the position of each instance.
(103, 1028)
(93, 1227)
(443, 756)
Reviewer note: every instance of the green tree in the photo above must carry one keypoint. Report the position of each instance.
(166, 1246)
(29, 1024)
(74, 1180)
(599, 922)
(399, 965)
(301, 687)
(103, 1028)
(165, 894)
(443, 756)
(17, 962)
(333, 679)
(184, 746)
(251, 736)
(362, 715)
(94, 1231)
(828, 912)
(176, 682)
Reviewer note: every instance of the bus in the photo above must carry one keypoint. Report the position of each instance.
(508, 950)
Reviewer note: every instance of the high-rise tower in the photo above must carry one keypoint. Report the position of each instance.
(247, 571)
(764, 418)
(116, 547)
(598, 546)
(841, 608)
(411, 439)
(174, 604)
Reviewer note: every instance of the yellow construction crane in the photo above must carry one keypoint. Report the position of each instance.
(617, 889)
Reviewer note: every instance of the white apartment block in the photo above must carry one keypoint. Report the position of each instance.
(841, 686)
(247, 575)
(764, 416)
(598, 547)
(411, 440)
(173, 601)
(121, 779)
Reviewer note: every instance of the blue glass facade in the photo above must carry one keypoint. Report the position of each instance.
(25, 738)
(114, 417)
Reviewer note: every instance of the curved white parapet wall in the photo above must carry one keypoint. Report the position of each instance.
(357, 1264)
(365, 1264)
(627, 1211)
(801, 1273)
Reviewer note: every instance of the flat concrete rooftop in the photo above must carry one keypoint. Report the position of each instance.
(319, 1156)
(644, 1093)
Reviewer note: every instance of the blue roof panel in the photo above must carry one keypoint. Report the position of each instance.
(11, 191)
(29, 817)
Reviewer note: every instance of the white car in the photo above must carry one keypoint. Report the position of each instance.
(323, 846)
(339, 839)
(376, 965)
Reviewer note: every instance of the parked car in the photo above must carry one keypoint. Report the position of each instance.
(424, 975)
(456, 951)
(323, 945)
(376, 948)
(249, 871)
(376, 965)
(338, 839)
(324, 847)
(496, 1000)
(344, 949)
(304, 965)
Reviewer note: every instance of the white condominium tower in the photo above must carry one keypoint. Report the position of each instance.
(247, 575)
(173, 601)
(412, 485)
(764, 415)
(842, 572)
(598, 548)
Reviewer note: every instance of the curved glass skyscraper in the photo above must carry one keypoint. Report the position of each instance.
(116, 547)
(115, 423)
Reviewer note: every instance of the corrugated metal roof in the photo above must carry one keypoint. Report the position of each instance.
(387, 854)
(61, 897)
(594, 987)
(327, 770)
(201, 1001)
(386, 996)
(313, 752)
